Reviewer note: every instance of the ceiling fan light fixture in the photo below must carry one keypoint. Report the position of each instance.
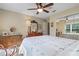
(40, 10)
(66, 19)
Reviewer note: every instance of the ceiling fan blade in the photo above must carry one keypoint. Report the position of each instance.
(45, 11)
(40, 4)
(50, 4)
(37, 12)
(37, 5)
(32, 9)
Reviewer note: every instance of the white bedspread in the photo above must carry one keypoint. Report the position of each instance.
(49, 46)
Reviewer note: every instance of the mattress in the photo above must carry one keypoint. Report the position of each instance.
(48, 46)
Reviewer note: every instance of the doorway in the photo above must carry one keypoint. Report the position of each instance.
(48, 28)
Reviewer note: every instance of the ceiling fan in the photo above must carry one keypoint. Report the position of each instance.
(41, 7)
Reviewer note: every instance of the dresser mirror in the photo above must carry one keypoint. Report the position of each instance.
(34, 26)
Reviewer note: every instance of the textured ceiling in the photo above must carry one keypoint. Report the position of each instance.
(22, 8)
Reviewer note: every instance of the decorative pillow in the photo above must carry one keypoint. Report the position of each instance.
(2, 52)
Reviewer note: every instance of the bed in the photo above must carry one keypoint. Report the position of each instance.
(49, 46)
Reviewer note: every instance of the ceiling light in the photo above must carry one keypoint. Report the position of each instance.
(40, 10)
(66, 19)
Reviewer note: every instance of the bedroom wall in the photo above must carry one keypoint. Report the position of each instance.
(45, 27)
(9, 19)
(1, 21)
(52, 21)
(61, 14)
(60, 26)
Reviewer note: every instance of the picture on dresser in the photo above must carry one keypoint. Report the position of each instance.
(5, 33)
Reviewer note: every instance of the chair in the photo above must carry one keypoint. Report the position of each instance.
(11, 51)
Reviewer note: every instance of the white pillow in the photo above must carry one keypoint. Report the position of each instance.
(2, 52)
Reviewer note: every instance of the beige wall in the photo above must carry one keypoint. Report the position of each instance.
(52, 29)
(45, 27)
(9, 19)
(61, 24)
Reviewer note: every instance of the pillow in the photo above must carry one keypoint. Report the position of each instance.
(11, 51)
(2, 52)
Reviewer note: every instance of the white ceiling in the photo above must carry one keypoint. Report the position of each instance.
(22, 8)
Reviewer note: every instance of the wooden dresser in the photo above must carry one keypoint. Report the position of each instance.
(34, 34)
(11, 40)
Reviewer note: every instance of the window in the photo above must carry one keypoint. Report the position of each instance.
(75, 28)
(72, 28)
(68, 28)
